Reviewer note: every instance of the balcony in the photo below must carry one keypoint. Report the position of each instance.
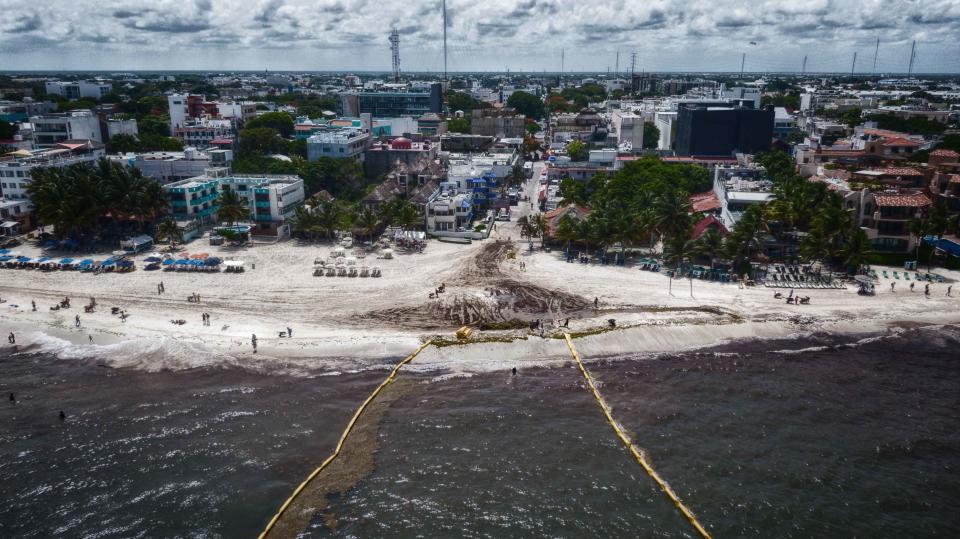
(206, 198)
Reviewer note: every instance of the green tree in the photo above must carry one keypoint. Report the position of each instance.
(465, 102)
(856, 249)
(260, 140)
(567, 230)
(232, 208)
(651, 136)
(367, 221)
(577, 151)
(710, 245)
(280, 121)
(458, 125)
(170, 231)
(527, 104)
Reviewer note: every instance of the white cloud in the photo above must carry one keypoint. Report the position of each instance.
(493, 34)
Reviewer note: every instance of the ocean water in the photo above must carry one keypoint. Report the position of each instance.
(815, 437)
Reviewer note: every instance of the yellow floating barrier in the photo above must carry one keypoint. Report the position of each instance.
(464, 332)
(637, 454)
(343, 438)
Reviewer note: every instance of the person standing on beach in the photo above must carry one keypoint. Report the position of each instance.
(76, 321)
(892, 285)
(12, 339)
(926, 289)
(289, 332)
(158, 290)
(253, 341)
(911, 285)
(33, 304)
(596, 302)
(949, 288)
(13, 399)
(91, 338)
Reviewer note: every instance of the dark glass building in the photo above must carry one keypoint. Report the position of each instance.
(723, 131)
(392, 104)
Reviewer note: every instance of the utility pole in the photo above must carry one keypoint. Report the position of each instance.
(876, 52)
(913, 56)
(853, 67)
(616, 69)
(743, 62)
(563, 54)
(803, 70)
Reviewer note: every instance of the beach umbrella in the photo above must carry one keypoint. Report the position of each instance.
(5, 258)
(110, 262)
(168, 262)
(212, 261)
(152, 259)
(4, 251)
(182, 262)
(66, 261)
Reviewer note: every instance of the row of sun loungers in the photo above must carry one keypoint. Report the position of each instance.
(87, 265)
(928, 277)
(790, 280)
(344, 271)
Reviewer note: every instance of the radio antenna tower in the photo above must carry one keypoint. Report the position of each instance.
(876, 52)
(913, 56)
(853, 66)
(803, 70)
(395, 52)
(444, 40)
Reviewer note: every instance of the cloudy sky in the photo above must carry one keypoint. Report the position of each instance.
(522, 35)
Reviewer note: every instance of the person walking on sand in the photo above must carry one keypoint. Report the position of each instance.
(12, 339)
(158, 290)
(912, 285)
(596, 302)
(13, 399)
(253, 341)
(949, 288)
(76, 321)
(63, 416)
(289, 332)
(926, 290)
(892, 287)
(162, 288)
(33, 304)
(91, 338)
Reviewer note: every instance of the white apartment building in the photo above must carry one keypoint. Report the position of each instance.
(201, 133)
(52, 129)
(449, 210)
(117, 126)
(628, 128)
(167, 167)
(339, 144)
(237, 111)
(179, 111)
(739, 187)
(15, 170)
(666, 124)
(76, 90)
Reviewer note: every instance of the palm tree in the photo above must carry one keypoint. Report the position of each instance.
(367, 221)
(408, 217)
(918, 227)
(709, 245)
(567, 230)
(671, 212)
(329, 215)
(677, 248)
(856, 249)
(168, 229)
(815, 246)
(304, 221)
(231, 208)
(540, 227)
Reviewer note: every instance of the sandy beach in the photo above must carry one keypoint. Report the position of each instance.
(375, 318)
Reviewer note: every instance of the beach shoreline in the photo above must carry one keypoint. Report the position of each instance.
(336, 318)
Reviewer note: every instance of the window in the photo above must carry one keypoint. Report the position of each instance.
(19, 173)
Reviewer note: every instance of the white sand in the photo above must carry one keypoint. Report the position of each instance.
(326, 313)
